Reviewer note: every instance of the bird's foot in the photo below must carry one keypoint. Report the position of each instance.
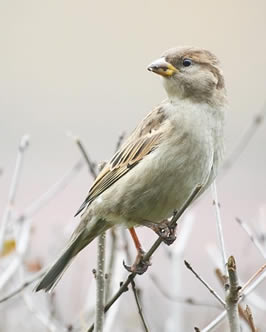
(165, 231)
(140, 265)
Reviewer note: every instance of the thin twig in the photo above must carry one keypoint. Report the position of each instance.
(252, 237)
(139, 306)
(211, 290)
(23, 286)
(24, 143)
(124, 287)
(245, 288)
(215, 322)
(219, 226)
(90, 163)
(232, 297)
(100, 278)
(178, 299)
(248, 135)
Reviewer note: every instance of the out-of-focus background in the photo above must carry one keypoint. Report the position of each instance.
(80, 67)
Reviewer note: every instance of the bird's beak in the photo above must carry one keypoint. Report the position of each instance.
(162, 67)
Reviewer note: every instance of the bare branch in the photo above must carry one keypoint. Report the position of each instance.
(245, 288)
(212, 291)
(139, 306)
(252, 237)
(215, 322)
(219, 226)
(100, 274)
(232, 297)
(90, 163)
(100, 278)
(222, 280)
(252, 283)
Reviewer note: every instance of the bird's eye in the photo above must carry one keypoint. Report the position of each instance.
(187, 62)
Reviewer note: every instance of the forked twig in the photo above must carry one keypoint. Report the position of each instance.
(222, 280)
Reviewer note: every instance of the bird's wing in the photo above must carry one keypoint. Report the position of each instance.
(144, 139)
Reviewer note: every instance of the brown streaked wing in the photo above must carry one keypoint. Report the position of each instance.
(123, 161)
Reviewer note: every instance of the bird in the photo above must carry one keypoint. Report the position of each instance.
(178, 146)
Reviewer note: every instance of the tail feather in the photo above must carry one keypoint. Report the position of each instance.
(87, 235)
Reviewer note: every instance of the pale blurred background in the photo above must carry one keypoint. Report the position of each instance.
(80, 67)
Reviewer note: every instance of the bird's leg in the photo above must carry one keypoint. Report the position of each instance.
(140, 265)
(164, 230)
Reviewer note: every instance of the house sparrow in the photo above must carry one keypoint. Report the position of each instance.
(176, 147)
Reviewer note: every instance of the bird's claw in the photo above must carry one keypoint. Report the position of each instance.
(166, 232)
(140, 265)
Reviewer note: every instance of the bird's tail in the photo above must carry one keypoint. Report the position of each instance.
(77, 243)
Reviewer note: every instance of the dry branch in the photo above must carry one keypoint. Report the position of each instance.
(232, 297)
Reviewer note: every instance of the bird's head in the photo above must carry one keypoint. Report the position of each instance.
(190, 72)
